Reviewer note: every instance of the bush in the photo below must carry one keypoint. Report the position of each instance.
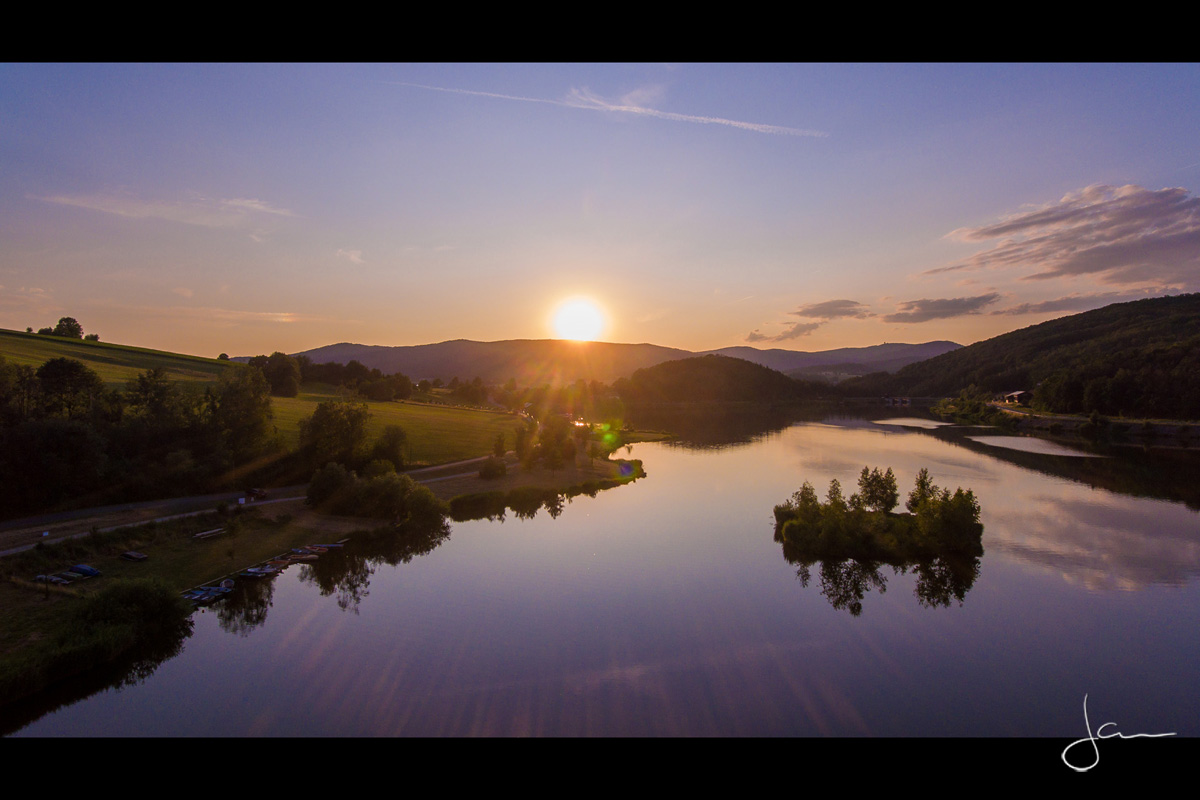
(493, 468)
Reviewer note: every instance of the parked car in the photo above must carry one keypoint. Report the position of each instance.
(255, 494)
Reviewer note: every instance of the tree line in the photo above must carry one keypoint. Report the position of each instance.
(67, 327)
(65, 439)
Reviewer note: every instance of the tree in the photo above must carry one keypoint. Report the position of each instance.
(878, 491)
(336, 432)
(68, 327)
(241, 411)
(391, 446)
(92, 337)
(923, 493)
(157, 399)
(283, 373)
(223, 357)
(67, 385)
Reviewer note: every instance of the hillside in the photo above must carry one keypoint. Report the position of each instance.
(114, 363)
(1140, 359)
(710, 379)
(533, 362)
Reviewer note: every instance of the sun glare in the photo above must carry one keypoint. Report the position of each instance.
(578, 318)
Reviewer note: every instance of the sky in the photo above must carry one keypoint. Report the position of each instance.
(244, 209)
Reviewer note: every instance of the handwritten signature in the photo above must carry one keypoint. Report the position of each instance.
(1100, 734)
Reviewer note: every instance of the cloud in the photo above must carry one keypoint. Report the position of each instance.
(1075, 302)
(30, 299)
(182, 291)
(353, 256)
(833, 309)
(257, 205)
(793, 331)
(822, 312)
(925, 310)
(202, 212)
(796, 330)
(225, 316)
(582, 98)
(1120, 235)
(631, 103)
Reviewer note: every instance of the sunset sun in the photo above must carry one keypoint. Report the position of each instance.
(578, 318)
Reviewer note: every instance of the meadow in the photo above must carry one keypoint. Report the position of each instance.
(436, 433)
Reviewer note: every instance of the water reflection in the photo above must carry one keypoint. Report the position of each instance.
(664, 608)
(245, 608)
(701, 427)
(131, 670)
(846, 582)
(1124, 522)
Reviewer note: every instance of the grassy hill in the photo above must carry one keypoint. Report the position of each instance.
(1136, 359)
(435, 433)
(115, 363)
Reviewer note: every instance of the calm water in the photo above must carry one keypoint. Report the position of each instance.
(666, 608)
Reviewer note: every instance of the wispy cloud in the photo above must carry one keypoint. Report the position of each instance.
(833, 309)
(204, 212)
(1119, 235)
(31, 298)
(631, 103)
(792, 331)
(946, 308)
(258, 206)
(1074, 302)
(182, 291)
(353, 256)
(821, 312)
(225, 316)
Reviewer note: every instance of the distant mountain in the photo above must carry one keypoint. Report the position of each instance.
(1138, 359)
(887, 357)
(533, 362)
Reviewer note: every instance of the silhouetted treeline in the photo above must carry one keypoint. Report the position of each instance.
(1139, 359)
(712, 378)
(286, 374)
(67, 441)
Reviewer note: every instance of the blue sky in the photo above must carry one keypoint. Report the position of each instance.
(251, 208)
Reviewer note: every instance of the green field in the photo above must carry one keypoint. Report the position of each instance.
(436, 434)
(115, 363)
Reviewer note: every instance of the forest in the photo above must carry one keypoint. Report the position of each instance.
(1139, 359)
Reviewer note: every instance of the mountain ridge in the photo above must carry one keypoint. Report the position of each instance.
(556, 361)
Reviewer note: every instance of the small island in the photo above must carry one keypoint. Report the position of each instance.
(865, 527)
(939, 539)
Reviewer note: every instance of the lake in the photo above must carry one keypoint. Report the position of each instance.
(666, 607)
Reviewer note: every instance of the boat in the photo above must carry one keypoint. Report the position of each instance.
(204, 595)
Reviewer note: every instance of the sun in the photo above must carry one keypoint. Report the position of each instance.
(578, 318)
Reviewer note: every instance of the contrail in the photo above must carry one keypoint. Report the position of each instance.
(584, 99)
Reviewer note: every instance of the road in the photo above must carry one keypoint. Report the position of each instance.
(21, 534)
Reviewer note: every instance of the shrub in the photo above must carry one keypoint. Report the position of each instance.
(493, 468)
